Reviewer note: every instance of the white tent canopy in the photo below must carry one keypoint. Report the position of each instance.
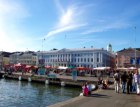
(101, 68)
(61, 67)
(130, 68)
(123, 68)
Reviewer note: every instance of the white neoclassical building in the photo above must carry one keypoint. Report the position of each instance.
(83, 57)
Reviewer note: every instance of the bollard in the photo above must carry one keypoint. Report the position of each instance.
(29, 79)
(63, 83)
(19, 78)
(47, 82)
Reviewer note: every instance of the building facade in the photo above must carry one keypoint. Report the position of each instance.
(1, 60)
(84, 57)
(28, 58)
(128, 58)
(14, 57)
(4, 59)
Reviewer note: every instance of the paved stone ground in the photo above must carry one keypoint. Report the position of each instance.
(103, 98)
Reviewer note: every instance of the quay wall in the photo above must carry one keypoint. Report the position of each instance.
(43, 78)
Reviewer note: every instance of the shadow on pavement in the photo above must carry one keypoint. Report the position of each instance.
(99, 96)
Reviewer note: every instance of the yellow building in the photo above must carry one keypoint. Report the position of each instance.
(6, 60)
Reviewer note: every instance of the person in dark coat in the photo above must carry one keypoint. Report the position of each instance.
(129, 82)
(124, 80)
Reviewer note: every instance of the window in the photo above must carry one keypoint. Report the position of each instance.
(84, 59)
(97, 59)
(91, 59)
(81, 59)
(88, 59)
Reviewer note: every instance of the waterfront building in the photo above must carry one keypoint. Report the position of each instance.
(83, 57)
(128, 57)
(1, 60)
(14, 57)
(4, 58)
(28, 58)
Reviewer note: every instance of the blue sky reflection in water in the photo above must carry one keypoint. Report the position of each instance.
(23, 94)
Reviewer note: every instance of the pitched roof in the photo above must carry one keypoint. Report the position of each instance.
(128, 49)
(6, 54)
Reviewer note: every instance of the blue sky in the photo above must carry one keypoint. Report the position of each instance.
(45, 24)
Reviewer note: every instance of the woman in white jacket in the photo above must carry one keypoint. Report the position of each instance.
(136, 80)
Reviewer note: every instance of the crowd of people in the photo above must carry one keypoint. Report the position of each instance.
(124, 82)
(127, 82)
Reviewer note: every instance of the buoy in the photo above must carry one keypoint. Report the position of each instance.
(19, 78)
(29, 79)
(47, 82)
(63, 83)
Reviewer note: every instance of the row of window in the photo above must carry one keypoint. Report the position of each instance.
(78, 65)
(73, 60)
(28, 62)
(68, 55)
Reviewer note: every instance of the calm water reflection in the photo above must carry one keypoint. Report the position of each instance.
(15, 93)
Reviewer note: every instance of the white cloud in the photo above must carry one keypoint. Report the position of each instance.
(59, 6)
(106, 27)
(68, 19)
(65, 28)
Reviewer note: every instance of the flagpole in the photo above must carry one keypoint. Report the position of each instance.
(135, 47)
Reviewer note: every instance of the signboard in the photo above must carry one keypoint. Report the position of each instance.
(132, 61)
(74, 74)
(138, 60)
(41, 71)
(139, 70)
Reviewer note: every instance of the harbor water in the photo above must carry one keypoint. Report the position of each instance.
(15, 93)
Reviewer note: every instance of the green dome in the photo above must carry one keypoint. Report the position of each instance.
(110, 45)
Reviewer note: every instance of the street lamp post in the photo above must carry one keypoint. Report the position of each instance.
(43, 62)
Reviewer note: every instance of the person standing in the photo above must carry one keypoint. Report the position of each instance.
(123, 81)
(117, 81)
(136, 79)
(85, 90)
(129, 82)
(89, 88)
